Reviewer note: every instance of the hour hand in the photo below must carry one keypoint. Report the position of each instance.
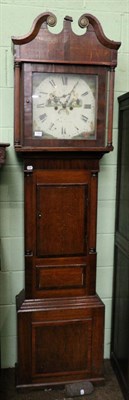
(75, 103)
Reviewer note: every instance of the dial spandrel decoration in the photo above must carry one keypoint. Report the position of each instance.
(64, 106)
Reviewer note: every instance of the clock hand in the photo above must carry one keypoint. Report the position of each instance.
(74, 87)
(69, 93)
(55, 101)
(75, 102)
(53, 97)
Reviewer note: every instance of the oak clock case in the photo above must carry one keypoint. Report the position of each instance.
(64, 87)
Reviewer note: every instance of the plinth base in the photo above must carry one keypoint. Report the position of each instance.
(59, 341)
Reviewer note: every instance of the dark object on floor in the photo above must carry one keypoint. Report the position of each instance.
(78, 389)
(109, 391)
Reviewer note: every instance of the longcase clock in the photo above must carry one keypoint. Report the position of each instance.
(64, 85)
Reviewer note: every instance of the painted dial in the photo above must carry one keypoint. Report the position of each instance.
(64, 106)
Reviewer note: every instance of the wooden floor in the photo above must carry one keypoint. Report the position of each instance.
(109, 391)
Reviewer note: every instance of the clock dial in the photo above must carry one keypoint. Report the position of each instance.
(64, 106)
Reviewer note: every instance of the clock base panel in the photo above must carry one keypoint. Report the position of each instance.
(59, 341)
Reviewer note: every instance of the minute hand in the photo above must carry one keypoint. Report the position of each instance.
(68, 95)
